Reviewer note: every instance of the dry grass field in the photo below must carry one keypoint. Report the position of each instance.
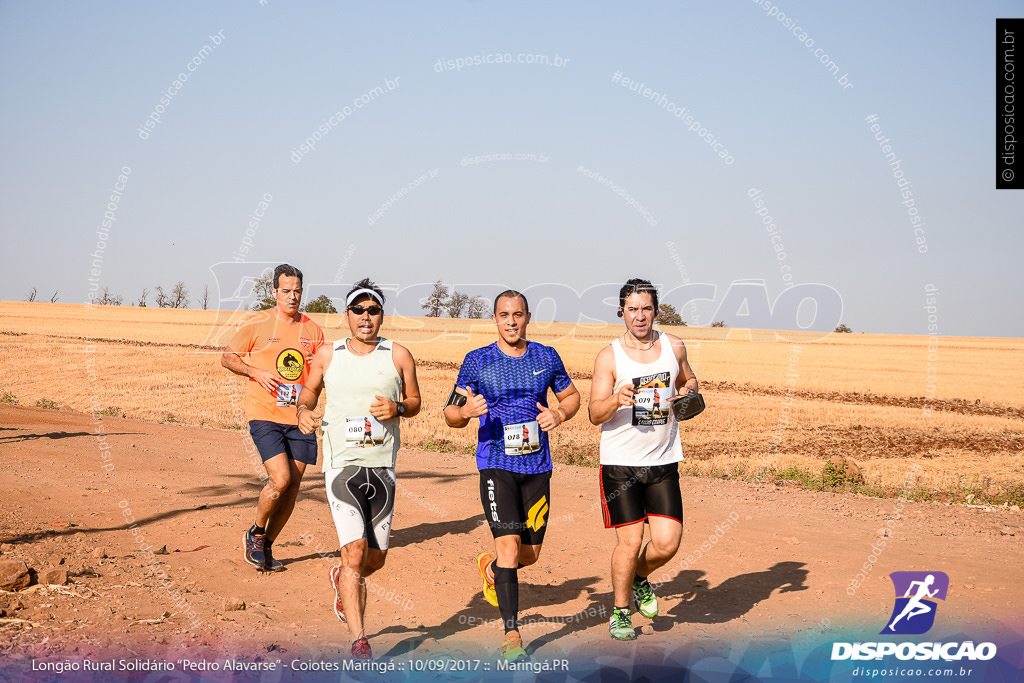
(949, 428)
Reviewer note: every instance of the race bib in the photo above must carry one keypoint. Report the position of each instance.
(522, 438)
(363, 431)
(652, 405)
(288, 395)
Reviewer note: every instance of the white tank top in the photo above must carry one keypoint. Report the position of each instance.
(351, 435)
(648, 432)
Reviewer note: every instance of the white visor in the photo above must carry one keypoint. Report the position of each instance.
(361, 292)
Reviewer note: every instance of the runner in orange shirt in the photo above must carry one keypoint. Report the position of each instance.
(278, 344)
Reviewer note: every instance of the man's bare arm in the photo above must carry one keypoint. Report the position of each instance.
(686, 381)
(410, 383)
(233, 362)
(305, 406)
(604, 400)
(568, 404)
(459, 416)
(569, 400)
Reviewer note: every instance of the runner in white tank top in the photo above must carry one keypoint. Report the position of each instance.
(371, 384)
(634, 379)
(647, 432)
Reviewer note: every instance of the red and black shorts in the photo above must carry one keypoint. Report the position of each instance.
(632, 494)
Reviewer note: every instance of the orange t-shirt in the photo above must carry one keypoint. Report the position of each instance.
(272, 344)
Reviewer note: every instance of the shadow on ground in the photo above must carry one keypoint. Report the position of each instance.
(730, 599)
(478, 612)
(15, 438)
(399, 537)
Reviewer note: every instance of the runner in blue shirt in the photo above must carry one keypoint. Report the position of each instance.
(505, 385)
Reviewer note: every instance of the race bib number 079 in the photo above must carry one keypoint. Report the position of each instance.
(652, 405)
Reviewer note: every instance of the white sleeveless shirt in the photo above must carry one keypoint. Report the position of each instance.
(351, 435)
(646, 433)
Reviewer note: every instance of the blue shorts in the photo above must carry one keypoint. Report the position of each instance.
(274, 438)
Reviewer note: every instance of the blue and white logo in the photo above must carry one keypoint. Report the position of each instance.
(917, 594)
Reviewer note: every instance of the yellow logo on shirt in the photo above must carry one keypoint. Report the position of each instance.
(290, 363)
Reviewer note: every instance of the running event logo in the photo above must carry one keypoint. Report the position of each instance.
(917, 596)
(913, 613)
(290, 363)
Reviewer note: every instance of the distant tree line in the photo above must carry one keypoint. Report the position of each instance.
(454, 303)
(32, 293)
(442, 300)
(178, 297)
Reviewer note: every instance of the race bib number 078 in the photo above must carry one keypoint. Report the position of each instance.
(522, 438)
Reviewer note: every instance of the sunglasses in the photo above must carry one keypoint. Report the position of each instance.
(373, 310)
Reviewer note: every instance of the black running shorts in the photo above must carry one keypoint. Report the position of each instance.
(631, 494)
(516, 503)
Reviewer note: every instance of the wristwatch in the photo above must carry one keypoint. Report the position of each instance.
(401, 408)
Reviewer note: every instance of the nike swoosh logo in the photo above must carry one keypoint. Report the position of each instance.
(537, 372)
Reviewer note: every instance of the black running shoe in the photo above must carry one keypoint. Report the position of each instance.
(269, 563)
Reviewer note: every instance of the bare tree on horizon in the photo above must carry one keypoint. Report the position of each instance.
(263, 290)
(477, 307)
(109, 299)
(455, 304)
(436, 301)
(179, 295)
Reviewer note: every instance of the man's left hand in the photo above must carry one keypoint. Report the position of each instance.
(547, 418)
(383, 408)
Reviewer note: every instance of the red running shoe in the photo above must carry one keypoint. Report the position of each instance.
(339, 609)
(361, 649)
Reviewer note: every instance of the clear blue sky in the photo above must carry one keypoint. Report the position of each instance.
(79, 79)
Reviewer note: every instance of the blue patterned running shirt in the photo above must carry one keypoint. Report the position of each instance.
(509, 436)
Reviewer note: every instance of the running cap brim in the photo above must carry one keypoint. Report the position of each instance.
(361, 292)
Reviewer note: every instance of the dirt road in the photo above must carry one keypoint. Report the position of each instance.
(97, 506)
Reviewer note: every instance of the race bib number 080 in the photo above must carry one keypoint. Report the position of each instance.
(363, 431)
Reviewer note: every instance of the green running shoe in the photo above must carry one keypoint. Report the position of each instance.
(646, 601)
(621, 626)
(512, 648)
